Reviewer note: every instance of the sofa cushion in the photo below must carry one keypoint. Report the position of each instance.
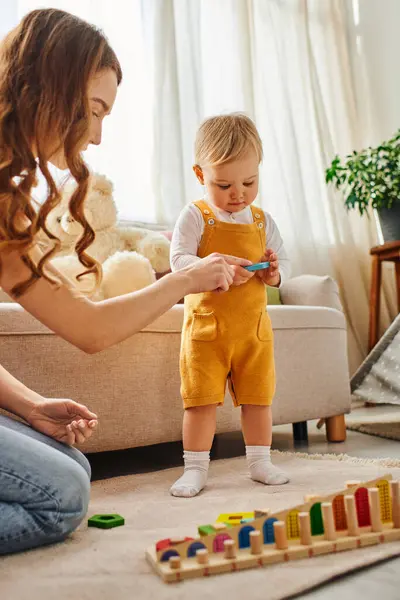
(311, 290)
(273, 295)
(14, 320)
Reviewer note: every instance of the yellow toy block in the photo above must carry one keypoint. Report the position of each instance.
(235, 518)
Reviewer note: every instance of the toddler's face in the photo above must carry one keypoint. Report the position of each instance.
(231, 186)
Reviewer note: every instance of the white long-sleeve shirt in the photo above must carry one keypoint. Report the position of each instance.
(189, 230)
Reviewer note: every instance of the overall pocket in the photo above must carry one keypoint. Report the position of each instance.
(204, 327)
(264, 330)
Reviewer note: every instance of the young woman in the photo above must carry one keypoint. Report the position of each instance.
(58, 81)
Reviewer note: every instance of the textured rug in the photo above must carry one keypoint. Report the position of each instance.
(385, 424)
(110, 564)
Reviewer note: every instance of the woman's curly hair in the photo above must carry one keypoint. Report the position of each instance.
(46, 64)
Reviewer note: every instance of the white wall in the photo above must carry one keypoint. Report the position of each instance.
(375, 57)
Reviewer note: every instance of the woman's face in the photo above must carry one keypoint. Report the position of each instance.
(102, 92)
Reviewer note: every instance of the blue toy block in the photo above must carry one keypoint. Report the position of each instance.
(257, 266)
(246, 520)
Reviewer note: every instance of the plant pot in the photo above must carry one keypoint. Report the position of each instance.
(389, 219)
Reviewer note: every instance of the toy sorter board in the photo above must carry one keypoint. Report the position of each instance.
(244, 558)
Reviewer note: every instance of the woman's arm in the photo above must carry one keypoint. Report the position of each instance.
(95, 326)
(62, 419)
(15, 396)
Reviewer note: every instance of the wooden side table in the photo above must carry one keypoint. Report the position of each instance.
(385, 252)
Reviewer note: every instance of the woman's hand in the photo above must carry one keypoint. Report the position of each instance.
(64, 420)
(216, 272)
(241, 275)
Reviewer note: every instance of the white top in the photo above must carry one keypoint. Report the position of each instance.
(189, 230)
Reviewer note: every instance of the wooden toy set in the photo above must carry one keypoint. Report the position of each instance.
(361, 515)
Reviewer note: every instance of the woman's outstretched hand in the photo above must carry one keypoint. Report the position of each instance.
(64, 420)
(216, 272)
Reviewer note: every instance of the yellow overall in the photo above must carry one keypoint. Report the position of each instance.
(228, 336)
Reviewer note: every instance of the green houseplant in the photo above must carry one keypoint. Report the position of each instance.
(370, 178)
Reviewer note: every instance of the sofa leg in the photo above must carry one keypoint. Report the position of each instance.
(335, 428)
(300, 433)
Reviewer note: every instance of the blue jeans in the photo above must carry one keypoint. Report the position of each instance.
(44, 488)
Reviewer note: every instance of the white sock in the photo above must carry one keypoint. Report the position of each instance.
(261, 468)
(194, 476)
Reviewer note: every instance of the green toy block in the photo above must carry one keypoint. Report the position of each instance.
(206, 529)
(106, 521)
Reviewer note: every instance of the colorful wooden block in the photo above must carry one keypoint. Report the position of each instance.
(247, 520)
(163, 544)
(171, 542)
(205, 529)
(106, 521)
(235, 518)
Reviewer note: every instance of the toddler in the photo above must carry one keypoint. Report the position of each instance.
(227, 337)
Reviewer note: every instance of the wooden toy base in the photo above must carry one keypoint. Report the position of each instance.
(270, 555)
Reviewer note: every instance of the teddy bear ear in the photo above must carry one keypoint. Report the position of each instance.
(101, 184)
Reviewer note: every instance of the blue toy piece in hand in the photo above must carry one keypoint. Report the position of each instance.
(257, 266)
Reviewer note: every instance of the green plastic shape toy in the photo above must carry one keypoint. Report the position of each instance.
(106, 521)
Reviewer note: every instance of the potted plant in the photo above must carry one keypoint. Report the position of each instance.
(370, 178)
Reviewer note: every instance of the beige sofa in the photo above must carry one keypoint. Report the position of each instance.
(134, 387)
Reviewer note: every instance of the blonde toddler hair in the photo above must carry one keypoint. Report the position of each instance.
(225, 138)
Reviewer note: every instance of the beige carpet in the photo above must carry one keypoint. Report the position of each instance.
(385, 424)
(110, 565)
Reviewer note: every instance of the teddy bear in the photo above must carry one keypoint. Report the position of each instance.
(130, 256)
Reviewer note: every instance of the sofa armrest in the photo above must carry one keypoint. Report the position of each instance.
(311, 290)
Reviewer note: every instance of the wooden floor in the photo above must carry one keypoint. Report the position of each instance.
(381, 582)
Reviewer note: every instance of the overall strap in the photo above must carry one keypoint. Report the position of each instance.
(206, 212)
(258, 215)
(259, 219)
